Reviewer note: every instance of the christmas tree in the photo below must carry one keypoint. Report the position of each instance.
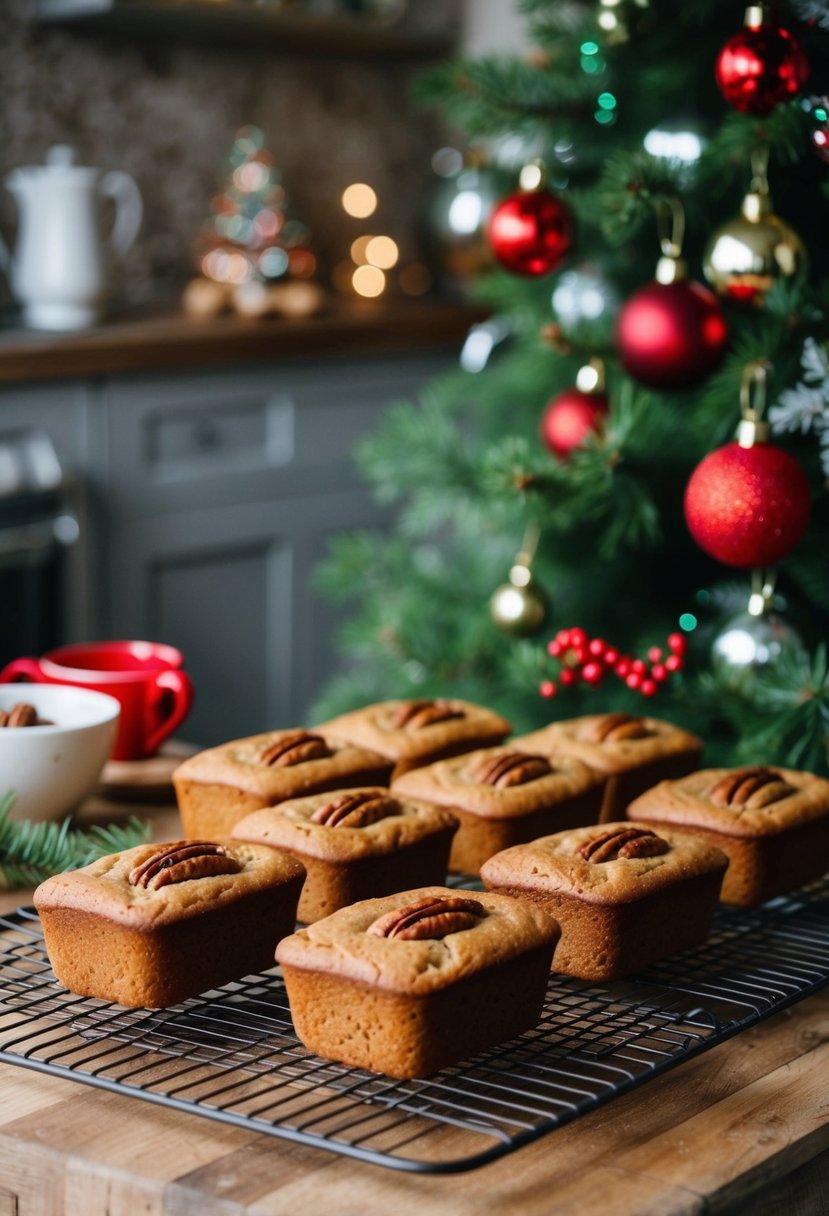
(547, 559)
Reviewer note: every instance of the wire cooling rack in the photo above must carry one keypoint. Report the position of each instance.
(232, 1055)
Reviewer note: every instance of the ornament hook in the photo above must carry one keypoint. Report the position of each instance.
(762, 591)
(533, 175)
(753, 429)
(670, 227)
(670, 223)
(529, 545)
(760, 169)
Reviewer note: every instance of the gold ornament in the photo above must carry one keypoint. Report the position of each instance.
(519, 607)
(747, 255)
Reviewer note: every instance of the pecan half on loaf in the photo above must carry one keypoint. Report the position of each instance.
(413, 715)
(754, 787)
(623, 842)
(433, 917)
(355, 810)
(295, 749)
(511, 768)
(611, 728)
(181, 861)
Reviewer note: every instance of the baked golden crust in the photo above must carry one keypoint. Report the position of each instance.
(340, 945)
(624, 896)
(243, 764)
(785, 799)
(457, 782)
(556, 864)
(111, 932)
(103, 887)
(290, 826)
(632, 753)
(614, 752)
(411, 733)
(401, 844)
(218, 787)
(544, 797)
(773, 823)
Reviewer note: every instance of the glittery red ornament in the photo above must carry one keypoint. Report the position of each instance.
(759, 67)
(671, 335)
(748, 506)
(569, 418)
(530, 232)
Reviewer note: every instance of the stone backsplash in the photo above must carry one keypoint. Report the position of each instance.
(167, 113)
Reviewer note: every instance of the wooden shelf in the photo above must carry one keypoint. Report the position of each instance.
(171, 340)
(261, 26)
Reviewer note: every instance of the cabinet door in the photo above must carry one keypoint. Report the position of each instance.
(177, 441)
(223, 491)
(230, 586)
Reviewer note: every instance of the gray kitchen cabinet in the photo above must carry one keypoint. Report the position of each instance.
(222, 490)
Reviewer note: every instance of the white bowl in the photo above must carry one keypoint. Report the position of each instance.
(52, 768)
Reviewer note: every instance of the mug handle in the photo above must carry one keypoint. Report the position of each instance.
(26, 670)
(180, 685)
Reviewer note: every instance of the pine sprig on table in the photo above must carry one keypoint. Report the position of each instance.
(31, 852)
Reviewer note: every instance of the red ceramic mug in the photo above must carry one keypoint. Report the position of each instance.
(145, 677)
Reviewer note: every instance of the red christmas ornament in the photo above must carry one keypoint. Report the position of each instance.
(531, 232)
(671, 335)
(761, 66)
(577, 412)
(748, 506)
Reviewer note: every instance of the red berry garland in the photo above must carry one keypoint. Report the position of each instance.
(590, 659)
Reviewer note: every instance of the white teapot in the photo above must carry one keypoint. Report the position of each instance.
(61, 270)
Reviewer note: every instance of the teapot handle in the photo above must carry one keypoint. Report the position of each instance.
(129, 208)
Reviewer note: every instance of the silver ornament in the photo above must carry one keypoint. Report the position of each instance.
(749, 643)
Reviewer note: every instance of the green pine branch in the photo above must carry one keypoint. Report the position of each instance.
(31, 852)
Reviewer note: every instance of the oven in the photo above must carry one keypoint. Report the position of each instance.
(37, 526)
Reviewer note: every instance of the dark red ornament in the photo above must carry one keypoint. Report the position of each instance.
(531, 232)
(760, 67)
(569, 418)
(671, 335)
(748, 506)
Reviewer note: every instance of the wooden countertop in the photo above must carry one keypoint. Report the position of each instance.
(743, 1128)
(173, 340)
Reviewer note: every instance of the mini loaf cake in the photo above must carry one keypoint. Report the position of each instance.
(631, 753)
(416, 981)
(355, 844)
(163, 922)
(623, 895)
(218, 787)
(773, 824)
(412, 733)
(503, 797)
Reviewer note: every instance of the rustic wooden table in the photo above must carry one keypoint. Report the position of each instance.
(744, 1128)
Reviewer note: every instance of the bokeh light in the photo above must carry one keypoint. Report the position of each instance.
(359, 200)
(381, 251)
(368, 281)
